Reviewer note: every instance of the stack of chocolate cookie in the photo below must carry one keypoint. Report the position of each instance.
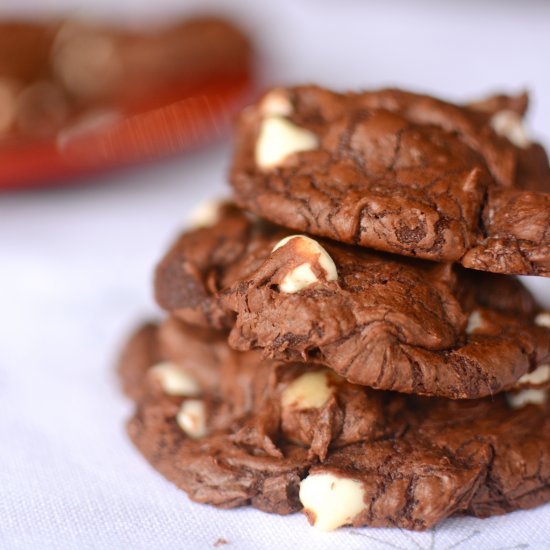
(356, 371)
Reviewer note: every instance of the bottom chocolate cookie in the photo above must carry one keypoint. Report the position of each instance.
(232, 429)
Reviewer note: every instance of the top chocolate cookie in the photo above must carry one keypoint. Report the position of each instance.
(400, 172)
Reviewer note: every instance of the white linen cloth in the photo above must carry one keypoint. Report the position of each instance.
(76, 269)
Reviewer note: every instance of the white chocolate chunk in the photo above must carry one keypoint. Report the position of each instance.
(191, 418)
(280, 138)
(527, 397)
(286, 240)
(543, 319)
(309, 246)
(540, 375)
(174, 380)
(300, 277)
(311, 390)
(206, 214)
(509, 124)
(303, 275)
(474, 322)
(331, 501)
(276, 103)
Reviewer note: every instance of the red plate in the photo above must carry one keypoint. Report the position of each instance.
(167, 122)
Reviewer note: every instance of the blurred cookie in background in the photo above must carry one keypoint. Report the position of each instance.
(77, 96)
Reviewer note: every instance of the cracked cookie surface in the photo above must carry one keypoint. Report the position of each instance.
(400, 172)
(413, 461)
(385, 321)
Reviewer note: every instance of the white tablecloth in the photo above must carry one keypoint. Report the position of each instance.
(75, 276)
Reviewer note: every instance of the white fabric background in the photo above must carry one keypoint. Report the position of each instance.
(75, 276)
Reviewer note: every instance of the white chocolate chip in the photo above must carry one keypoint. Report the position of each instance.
(284, 241)
(276, 103)
(509, 124)
(280, 138)
(311, 390)
(475, 322)
(300, 277)
(303, 276)
(331, 501)
(191, 418)
(527, 397)
(540, 375)
(174, 380)
(543, 319)
(206, 214)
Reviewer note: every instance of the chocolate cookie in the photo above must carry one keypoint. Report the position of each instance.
(240, 431)
(383, 321)
(400, 172)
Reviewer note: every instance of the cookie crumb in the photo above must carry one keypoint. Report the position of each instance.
(220, 542)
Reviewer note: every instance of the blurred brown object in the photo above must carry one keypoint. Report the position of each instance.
(97, 62)
(25, 49)
(41, 108)
(68, 81)
(9, 92)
